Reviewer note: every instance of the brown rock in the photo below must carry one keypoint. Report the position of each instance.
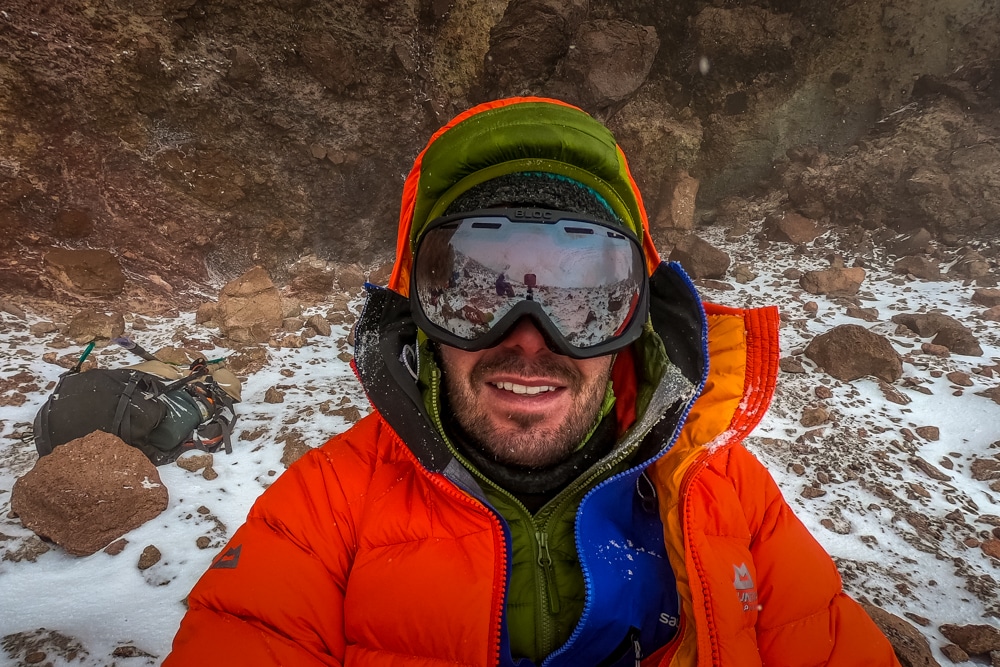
(959, 340)
(991, 314)
(892, 394)
(274, 395)
(194, 462)
(935, 350)
(919, 266)
(676, 203)
(150, 556)
(973, 639)
(790, 227)
(814, 416)
(909, 644)
(90, 325)
(790, 365)
(207, 312)
(209, 473)
(986, 296)
(116, 547)
(811, 492)
(926, 324)
(991, 548)
(311, 275)
(866, 314)
(843, 281)
(87, 272)
(249, 307)
(993, 393)
(931, 433)
(823, 392)
(929, 469)
(699, 258)
(320, 325)
(959, 378)
(848, 352)
(985, 470)
(89, 492)
(955, 653)
(909, 244)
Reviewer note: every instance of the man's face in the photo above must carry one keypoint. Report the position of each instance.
(522, 402)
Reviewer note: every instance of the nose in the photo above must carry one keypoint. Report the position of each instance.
(526, 336)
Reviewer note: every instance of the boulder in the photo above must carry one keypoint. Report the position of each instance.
(91, 325)
(909, 644)
(959, 340)
(700, 258)
(848, 352)
(919, 266)
(87, 272)
(249, 308)
(986, 296)
(926, 324)
(790, 227)
(913, 243)
(842, 281)
(973, 639)
(88, 493)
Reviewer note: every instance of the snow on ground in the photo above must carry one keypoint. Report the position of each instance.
(892, 528)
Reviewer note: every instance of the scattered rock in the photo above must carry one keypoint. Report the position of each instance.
(842, 281)
(919, 266)
(959, 340)
(814, 416)
(195, 461)
(320, 325)
(986, 296)
(910, 646)
(789, 227)
(848, 352)
(699, 258)
(91, 325)
(149, 557)
(249, 308)
(931, 433)
(973, 639)
(274, 395)
(104, 488)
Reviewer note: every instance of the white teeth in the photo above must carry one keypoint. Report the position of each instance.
(522, 389)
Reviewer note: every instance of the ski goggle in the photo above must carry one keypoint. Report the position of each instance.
(581, 280)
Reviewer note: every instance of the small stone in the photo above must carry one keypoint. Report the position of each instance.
(274, 395)
(959, 378)
(823, 392)
(931, 433)
(811, 492)
(991, 548)
(209, 473)
(116, 547)
(203, 542)
(954, 653)
(34, 657)
(150, 557)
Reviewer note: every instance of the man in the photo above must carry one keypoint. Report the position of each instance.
(551, 474)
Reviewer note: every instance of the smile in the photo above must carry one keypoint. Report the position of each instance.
(522, 389)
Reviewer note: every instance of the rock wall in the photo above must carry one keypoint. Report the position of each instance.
(193, 139)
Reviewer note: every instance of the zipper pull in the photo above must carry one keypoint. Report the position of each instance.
(545, 562)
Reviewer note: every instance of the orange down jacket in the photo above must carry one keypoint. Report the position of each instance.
(360, 555)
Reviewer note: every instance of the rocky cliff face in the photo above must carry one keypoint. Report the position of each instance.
(192, 139)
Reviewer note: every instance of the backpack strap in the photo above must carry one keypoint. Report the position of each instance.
(122, 424)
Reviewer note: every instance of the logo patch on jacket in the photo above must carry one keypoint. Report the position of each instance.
(743, 583)
(228, 560)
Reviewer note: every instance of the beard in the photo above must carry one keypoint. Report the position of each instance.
(521, 438)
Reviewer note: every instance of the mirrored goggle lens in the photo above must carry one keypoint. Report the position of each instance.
(586, 278)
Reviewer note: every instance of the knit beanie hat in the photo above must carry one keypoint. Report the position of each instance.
(534, 190)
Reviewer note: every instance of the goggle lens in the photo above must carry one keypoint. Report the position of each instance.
(586, 278)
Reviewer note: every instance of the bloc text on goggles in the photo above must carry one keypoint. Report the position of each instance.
(581, 280)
